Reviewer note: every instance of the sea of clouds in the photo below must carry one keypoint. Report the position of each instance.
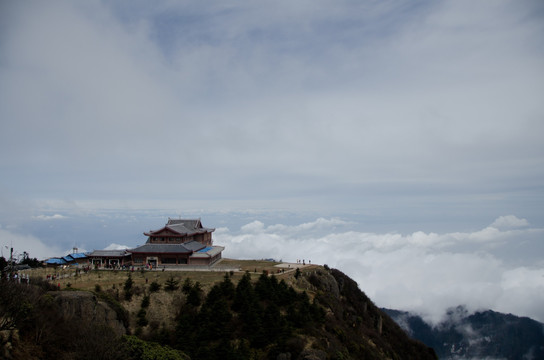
(498, 267)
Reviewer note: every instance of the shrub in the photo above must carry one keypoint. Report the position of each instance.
(145, 302)
(187, 286)
(139, 350)
(154, 287)
(128, 288)
(142, 321)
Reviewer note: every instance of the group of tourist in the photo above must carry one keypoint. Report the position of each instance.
(21, 279)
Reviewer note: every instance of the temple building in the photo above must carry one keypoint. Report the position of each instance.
(179, 242)
(109, 258)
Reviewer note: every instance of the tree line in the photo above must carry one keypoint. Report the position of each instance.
(249, 320)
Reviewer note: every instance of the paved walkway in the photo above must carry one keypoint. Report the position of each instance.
(292, 265)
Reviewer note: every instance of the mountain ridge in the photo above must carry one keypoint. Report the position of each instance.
(315, 313)
(482, 334)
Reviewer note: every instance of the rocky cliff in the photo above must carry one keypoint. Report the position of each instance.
(356, 326)
(85, 306)
(39, 324)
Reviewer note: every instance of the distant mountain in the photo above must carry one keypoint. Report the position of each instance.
(482, 335)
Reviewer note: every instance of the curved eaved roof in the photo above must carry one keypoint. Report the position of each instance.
(186, 248)
(109, 253)
(182, 227)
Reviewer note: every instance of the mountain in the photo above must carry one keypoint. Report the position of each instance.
(482, 335)
(315, 313)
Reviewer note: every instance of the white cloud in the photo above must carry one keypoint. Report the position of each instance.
(114, 246)
(523, 289)
(255, 226)
(508, 222)
(422, 272)
(302, 102)
(31, 244)
(50, 217)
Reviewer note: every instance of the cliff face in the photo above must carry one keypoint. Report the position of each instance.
(78, 305)
(354, 326)
(39, 324)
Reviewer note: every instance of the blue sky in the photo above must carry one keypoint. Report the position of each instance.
(392, 117)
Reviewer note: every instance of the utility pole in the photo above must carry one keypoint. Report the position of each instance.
(11, 263)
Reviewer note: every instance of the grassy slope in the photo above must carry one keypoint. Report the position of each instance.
(349, 325)
(160, 312)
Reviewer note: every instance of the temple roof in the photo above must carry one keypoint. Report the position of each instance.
(106, 253)
(55, 261)
(74, 257)
(182, 227)
(208, 252)
(185, 248)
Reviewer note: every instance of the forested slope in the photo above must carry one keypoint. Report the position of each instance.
(316, 314)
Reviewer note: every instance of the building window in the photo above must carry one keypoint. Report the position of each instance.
(168, 260)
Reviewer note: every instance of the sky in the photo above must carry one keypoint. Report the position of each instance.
(399, 141)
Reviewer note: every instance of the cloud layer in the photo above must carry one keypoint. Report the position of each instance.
(411, 115)
(408, 110)
(422, 272)
(499, 266)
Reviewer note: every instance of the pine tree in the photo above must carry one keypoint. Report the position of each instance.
(128, 288)
(227, 287)
(145, 302)
(187, 286)
(142, 321)
(154, 286)
(244, 293)
(171, 284)
(194, 297)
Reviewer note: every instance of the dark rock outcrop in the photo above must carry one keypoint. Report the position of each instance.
(77, 305)
(355, 328)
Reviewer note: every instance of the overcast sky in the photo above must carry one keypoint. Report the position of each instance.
(394, 117)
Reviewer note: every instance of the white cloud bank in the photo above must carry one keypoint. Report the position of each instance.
(50, 217)
(421, 272)
(114, 246)
(510, 221)
(35, 247)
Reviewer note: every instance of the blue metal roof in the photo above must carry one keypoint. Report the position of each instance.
(78, 256)
(206, 249)
(56, 261)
